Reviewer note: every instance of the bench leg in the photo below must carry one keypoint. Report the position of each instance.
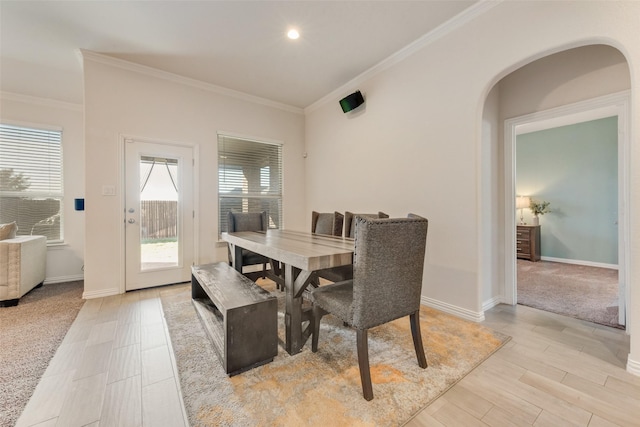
(196, 289)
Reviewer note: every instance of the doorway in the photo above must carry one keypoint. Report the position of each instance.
(607, 106)
(158, 213)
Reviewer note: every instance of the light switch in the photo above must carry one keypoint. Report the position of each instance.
(108, 190)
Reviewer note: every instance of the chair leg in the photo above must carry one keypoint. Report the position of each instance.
(276, 273)
(363, 363)
(317, 315)
(417, 339)
(10, 302)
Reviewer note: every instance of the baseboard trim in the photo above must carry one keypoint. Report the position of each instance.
(62, 279)
(473, 316)
(101, 293)
(488, 305)
(633, 367)
(580, 262)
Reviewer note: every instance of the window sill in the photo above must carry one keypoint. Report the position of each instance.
(57, 245)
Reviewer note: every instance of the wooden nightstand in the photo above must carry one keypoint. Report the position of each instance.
(528, 242)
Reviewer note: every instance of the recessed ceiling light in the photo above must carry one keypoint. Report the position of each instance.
(293, 34)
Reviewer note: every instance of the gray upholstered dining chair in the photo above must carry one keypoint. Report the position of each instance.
(330, 224)
(345, 272)
(248, 221)
(349, 224)
(327, 223)
(386, 285)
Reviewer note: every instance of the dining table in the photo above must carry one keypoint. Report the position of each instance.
(299, 256)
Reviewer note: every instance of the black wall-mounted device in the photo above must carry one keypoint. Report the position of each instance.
(351, 102)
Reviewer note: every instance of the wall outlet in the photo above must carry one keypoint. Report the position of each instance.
(108, 190)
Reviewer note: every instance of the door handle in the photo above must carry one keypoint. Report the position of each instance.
(131, 221)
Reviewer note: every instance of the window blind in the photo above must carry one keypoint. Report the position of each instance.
(249, 179)
(31, 187)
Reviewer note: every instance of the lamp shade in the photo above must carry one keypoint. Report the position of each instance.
(522, 202)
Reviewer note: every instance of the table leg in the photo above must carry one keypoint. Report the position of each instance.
(237, 258)
(292, 313)
(296, 281)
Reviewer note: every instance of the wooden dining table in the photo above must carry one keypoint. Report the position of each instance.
(302, 255)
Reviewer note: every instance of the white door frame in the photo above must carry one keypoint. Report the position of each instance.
(617, 104)
(122, 202)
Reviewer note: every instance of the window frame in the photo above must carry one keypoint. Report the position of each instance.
(43, 194)
(273, 197)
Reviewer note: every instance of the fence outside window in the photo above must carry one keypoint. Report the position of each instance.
(160, 218)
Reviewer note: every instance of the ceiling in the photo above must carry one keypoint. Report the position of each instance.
(239, 45)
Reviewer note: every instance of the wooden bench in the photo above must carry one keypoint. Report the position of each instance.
(239, 316)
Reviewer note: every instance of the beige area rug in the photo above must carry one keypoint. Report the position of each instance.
(583, 292)
(30, 334)
(324, 388)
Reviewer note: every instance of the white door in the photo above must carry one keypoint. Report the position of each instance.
(159, 215)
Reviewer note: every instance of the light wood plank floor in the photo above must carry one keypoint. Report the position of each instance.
(115, 367)
(556, 371)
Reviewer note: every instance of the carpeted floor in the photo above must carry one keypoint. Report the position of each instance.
(324, 388)
(582, 292)
(30, 334)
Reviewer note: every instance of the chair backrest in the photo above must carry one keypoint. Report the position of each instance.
(327, 223)
(350, 226)
(387, 269)
(247, 221)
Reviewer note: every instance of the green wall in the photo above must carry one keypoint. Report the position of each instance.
(575, 168)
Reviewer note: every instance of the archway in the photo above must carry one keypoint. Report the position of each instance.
(545, 84)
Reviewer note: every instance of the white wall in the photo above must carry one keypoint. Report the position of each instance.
(418, 145)
(122, 101)
(64, 261)
(491, 220)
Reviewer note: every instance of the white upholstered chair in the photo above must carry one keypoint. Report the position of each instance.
(23, 262)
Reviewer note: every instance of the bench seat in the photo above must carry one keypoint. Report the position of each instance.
(239, 316)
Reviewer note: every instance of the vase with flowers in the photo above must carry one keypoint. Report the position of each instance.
(538, 208)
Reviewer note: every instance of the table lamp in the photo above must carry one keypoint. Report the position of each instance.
(521, 203)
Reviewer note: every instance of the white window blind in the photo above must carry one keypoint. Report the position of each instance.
(31, 189)
(249, 179)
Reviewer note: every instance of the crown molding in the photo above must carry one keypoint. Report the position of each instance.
(165, 75)
(440, 31)
(43, 102)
